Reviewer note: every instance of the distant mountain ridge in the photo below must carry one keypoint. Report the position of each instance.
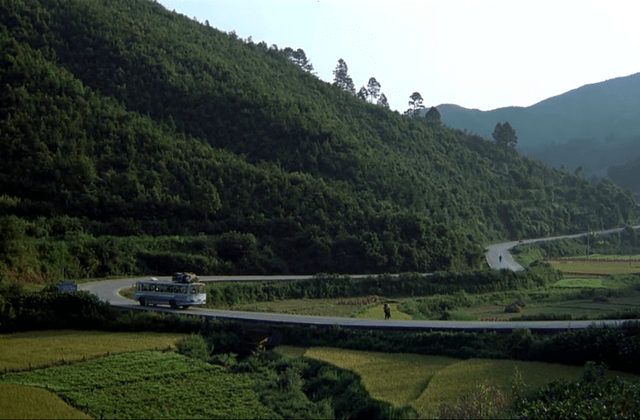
(593, 126)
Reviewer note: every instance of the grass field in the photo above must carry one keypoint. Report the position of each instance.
(426, 382)
(19, 350)
(548, 301)
(26, 402)
(325, 307)
(376, 312)
(151, 385)
(597, 265)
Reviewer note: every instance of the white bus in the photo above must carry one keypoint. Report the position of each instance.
(176, 295)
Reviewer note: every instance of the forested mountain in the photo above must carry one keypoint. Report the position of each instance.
(121, 122)
(594, 126)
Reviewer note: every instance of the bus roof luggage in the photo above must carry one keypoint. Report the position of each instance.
(185, 277)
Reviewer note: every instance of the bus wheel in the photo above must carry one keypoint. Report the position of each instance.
(173, 304)
(142, 302)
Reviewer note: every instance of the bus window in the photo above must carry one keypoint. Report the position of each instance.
(183, 289)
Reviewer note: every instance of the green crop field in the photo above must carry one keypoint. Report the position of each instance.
(325, 307)
(426, 382)
(149, 385)
(581, 283)
(376, 312)
(25, 402)
(19, 350)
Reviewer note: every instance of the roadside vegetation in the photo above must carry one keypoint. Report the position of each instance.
(546, 290)
(300, 387)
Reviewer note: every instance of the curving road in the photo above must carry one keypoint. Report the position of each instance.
(495, 252)
(108, 290)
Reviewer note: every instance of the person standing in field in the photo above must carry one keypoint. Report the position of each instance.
(387, 311)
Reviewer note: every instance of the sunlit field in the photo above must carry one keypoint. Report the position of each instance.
(26, 402)
(597, 264)
(426, 382)
(19, 350)
(148, 384)
(326, 307)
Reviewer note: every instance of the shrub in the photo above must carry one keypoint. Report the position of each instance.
(595, 398)
(487, 402)
(195, 346)
(513, 308)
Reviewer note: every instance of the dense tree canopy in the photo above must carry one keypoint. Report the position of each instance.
(120, 119)
(505, 135)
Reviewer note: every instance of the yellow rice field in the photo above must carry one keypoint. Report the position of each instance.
(24, 402)
(18, 350)
(425, 382)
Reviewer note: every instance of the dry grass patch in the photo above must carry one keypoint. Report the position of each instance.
(291, 351)
(376, 312)
(18, 350)
(392, 377)
(463, 378)
(25, 402)
(314, 307)
(428, 382)
(596, 266)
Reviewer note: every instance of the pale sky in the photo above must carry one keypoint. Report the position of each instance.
(483, 54)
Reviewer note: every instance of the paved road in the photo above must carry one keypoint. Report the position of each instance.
(108, 290)
(494, 252)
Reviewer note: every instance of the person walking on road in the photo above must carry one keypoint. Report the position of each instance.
(500, 258)
(387, 311)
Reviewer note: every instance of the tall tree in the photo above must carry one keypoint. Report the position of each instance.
(362, 93)
(416, 104)
(383, 101)
(373, 89)
(433, 117)
(505, 135)
(300, 58)
(342, 79)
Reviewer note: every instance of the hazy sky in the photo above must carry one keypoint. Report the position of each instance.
(483, 54)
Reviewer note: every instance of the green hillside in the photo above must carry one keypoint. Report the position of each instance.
(137, 140)
(594, 126)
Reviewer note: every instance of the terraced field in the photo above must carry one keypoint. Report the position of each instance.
(427, 382)
(36, 348)
(148, 385)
